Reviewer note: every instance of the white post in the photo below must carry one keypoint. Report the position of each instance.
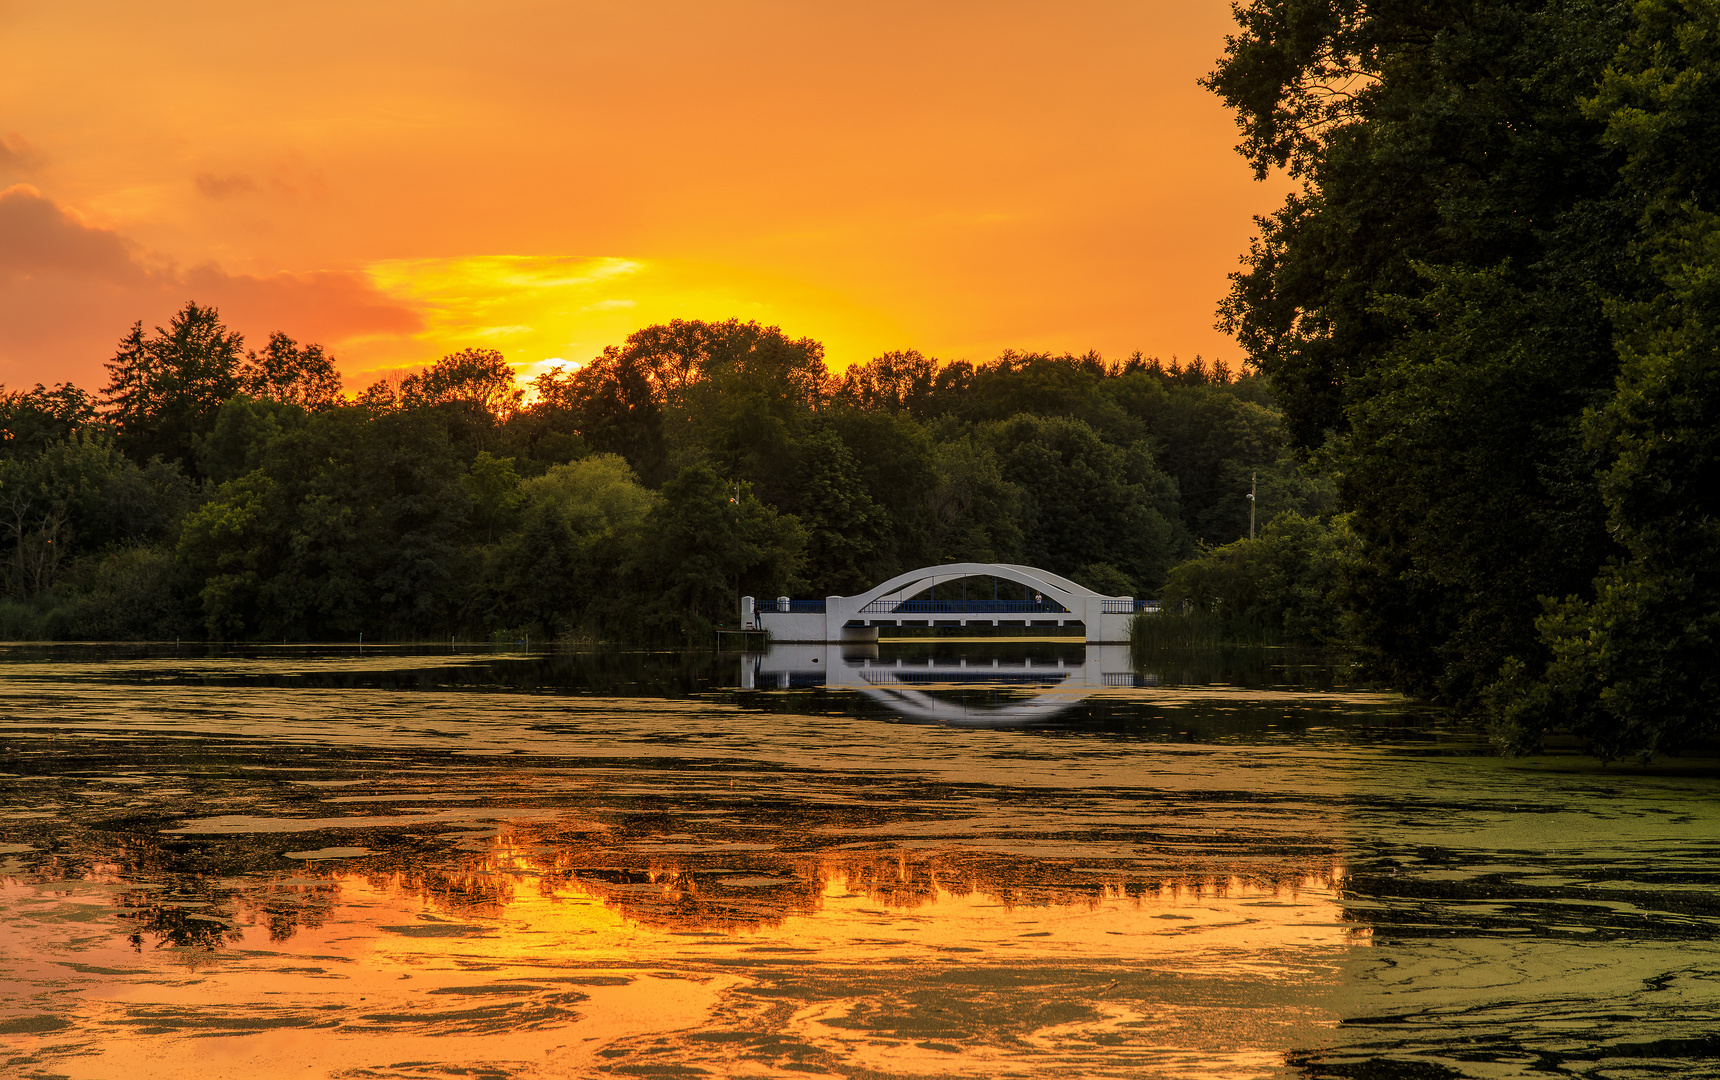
(1093, 616)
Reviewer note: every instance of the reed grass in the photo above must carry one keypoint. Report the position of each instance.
(1152, 631)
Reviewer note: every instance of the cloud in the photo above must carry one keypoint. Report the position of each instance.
(69, 290)
(224, 187)
(17, 155)
(38, 237)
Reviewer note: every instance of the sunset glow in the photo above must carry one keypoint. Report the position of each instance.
(399, 181)
(543, 311)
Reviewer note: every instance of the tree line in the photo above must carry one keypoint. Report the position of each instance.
(211, 491)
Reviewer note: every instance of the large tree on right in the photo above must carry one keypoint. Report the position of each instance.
(1455, 306)
(1635, 662)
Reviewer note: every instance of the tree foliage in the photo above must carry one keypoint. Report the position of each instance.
(31, 419)
(478, 380)
(80, 495)
(636, 496)
(287, 372)
(1286, 586)
(1487, 307)
(165, 388)
(1632, 660)
(704, 543)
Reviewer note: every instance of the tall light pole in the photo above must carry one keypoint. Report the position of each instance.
(736, 503)
(1253, 483)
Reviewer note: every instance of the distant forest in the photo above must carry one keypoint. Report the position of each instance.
(211, 491)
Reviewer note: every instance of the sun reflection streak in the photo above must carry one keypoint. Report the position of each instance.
(855, 906)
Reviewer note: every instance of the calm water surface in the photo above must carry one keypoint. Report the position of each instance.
(961, 860)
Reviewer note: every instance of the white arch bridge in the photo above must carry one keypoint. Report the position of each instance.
(1042, 601)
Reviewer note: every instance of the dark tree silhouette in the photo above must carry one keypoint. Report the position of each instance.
(165, 388)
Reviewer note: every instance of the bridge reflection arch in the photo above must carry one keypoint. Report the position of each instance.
(1038, 687)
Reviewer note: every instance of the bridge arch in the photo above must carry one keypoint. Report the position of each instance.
(901, 588)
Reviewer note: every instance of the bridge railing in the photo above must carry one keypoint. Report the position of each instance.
(963, 607)
(1129, 607)
(958, 607)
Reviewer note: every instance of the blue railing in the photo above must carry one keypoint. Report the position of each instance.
(965, 607)
(961, 607)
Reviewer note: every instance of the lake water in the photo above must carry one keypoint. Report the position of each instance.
(984, 860)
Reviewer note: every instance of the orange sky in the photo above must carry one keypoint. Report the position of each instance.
(398, 180)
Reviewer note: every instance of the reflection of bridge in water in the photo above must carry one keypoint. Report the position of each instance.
(1004, 596)
(1023, 688)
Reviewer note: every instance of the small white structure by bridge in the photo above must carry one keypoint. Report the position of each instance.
(1059, 606)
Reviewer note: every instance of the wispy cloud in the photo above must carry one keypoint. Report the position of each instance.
(17, 156)
(224, 187)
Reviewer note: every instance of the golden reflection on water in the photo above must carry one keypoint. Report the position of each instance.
(547, 962)
(836, 905)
